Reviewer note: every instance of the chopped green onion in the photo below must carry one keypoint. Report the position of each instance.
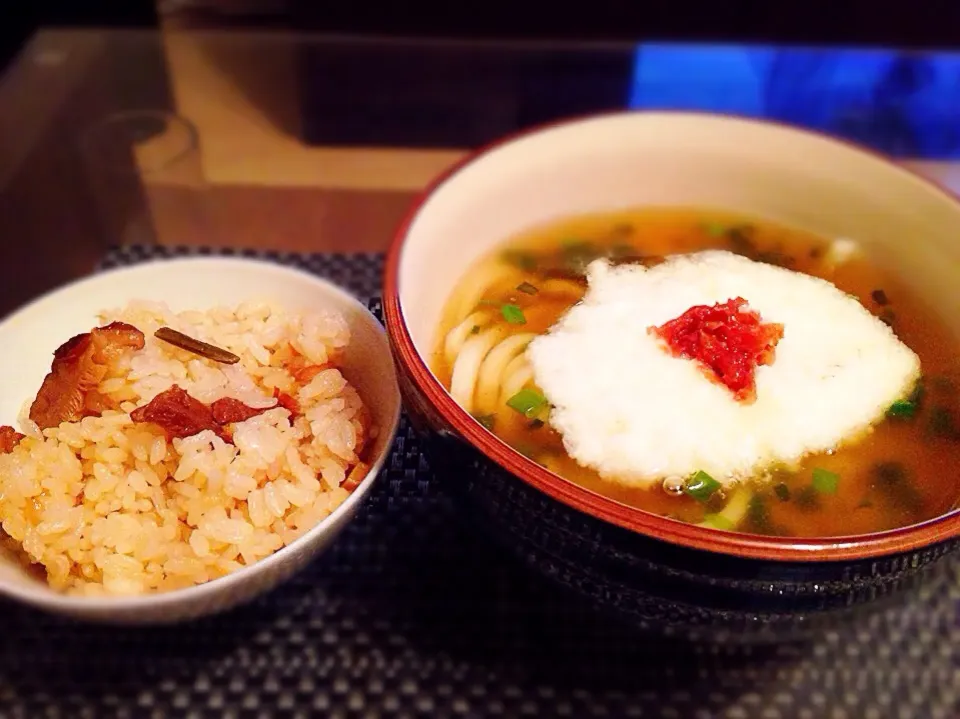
(714, 229)
(513, 314)
(527, 402)
(577, 254)
(700, 486)
(527, 451)
(807, 498)
(758, 516)
(622, 249)
(942, 423)
(902, 409)
(782, 491)
(486, 420)
(943, 384)
(527, 288)
(918, 391)
(889, 473)
(717, 521)
(907, 407)
(736, 506)
(892, 479)
(775, 257)
(740, 242)
(825, 481)
(518, 258)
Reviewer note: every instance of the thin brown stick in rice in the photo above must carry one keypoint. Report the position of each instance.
(190, 344)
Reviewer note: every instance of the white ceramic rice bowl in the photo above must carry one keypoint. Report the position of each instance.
(31, 334)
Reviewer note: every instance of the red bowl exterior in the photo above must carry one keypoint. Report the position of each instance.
(856, 568)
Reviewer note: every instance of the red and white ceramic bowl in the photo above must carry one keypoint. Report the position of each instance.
(662, 573)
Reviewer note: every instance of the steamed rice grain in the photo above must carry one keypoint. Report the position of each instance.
(109, 506)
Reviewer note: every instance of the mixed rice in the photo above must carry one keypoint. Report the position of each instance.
(123, 501)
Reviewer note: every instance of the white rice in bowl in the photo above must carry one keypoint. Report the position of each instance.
(106, 505)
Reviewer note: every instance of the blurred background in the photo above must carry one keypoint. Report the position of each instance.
(309, 125)
(926, 24)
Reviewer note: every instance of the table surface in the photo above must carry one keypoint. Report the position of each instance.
(254, 96)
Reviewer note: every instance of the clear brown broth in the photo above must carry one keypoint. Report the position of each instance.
(902, 473)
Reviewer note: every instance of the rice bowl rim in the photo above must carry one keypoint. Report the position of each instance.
(44, 597)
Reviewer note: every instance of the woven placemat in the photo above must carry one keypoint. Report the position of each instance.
(412, 614)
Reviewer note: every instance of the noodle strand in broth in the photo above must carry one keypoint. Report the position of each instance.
(901, 472)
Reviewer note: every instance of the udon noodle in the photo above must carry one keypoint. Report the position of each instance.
(894, 470)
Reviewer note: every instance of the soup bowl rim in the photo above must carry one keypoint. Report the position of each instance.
(939, 529)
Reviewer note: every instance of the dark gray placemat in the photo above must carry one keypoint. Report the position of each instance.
(411, 614)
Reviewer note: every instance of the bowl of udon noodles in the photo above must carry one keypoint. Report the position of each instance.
(703, 370)
(180, 436)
